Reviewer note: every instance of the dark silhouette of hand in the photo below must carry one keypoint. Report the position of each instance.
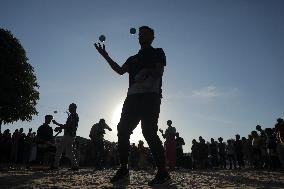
(101, 49)
(55, 122)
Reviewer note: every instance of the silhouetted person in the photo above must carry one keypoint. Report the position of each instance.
(170, 144)
(203, 153)
(45, 141)
(21, 145)
(222, 153)
(68, 139)
(6, 143)
(279, 129)
(239, 151)
(97, 137)
(231, 153)
(256, 150)
(15, 146)
(134, 156)
(271, 145)
(142, 163)
(28, 146)
(179, 150)
(260, 130)
(142, 102)
(247, 150)
(214, 153)
(195, 154)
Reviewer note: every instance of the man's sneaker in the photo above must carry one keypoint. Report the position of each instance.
(161, 178)
(121, 176)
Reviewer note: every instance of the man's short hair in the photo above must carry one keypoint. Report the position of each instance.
(48, 117)
(73, 105)
(148, 28)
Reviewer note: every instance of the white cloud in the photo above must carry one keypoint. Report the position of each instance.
(207, 92)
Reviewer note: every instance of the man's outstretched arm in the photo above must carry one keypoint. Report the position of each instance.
(117, 68)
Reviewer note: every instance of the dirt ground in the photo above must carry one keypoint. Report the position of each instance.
(89, 178)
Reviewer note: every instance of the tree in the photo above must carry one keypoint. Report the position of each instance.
(18, 83)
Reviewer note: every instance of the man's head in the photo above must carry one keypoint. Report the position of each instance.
(237, 137)
(258, 128)
(279, 120)
(146, 35)
(220, 139)
(102, 121)
(48, 119)
(254, 134)
(169, 122)
(72, 108)
(268, 131)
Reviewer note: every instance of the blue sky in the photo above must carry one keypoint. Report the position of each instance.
(224, 71)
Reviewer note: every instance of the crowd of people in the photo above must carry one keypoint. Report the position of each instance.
(263, 148)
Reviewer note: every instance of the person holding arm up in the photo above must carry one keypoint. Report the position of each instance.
(142, 103)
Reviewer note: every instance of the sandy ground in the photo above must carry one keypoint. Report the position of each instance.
(88, 178)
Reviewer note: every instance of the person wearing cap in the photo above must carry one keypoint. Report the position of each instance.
(97, 137)
(142, 103)
(67, 142)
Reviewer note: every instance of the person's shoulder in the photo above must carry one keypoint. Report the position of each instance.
(49, 127)
(160, 51)
(75, 115)
(41, 127)
(131, 58)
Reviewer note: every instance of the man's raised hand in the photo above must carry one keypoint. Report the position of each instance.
(101, 49)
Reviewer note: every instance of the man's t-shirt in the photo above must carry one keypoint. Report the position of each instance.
(44, 133)
(170, 132)
(98, 130)
(71, 125)
(179, 142)
(138, 66)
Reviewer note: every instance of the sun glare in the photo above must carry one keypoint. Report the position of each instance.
(116, 114)
(137, 133)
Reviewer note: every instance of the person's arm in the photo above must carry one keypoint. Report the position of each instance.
(58, 124)
(182, 141)
(117, 68)
(162, 132)
(107, 127)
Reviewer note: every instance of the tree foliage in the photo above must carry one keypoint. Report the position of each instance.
(18, 83)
